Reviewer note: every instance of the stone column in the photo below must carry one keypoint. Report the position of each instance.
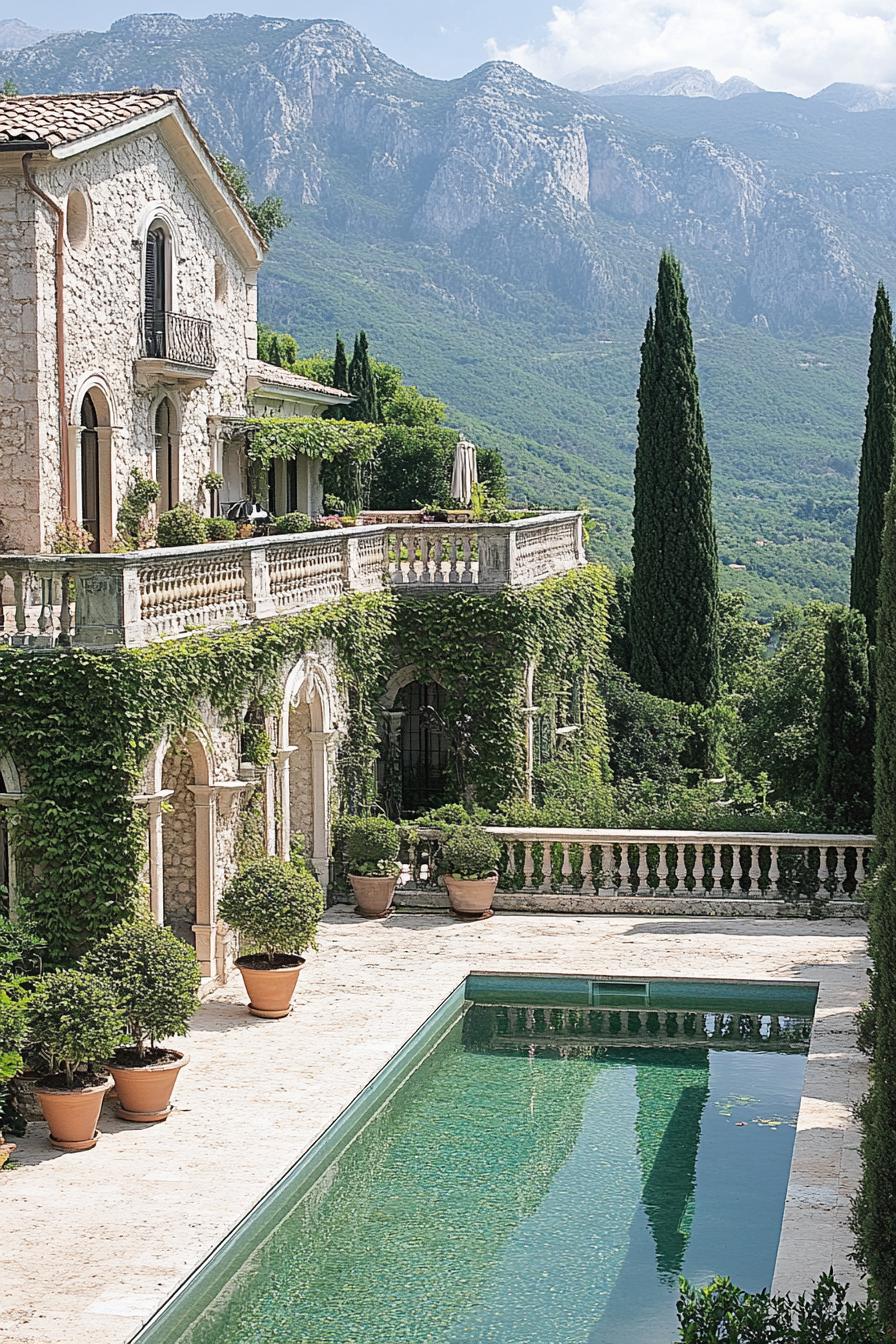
(205, 928)
(155, 865)
(281, 770)
(321, 743)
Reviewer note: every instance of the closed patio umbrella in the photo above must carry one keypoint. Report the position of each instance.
(464, 474)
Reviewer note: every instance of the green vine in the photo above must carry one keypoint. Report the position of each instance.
(288, 436)
(78, 838)
(478, 648)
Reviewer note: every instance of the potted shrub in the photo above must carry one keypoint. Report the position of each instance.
(372, 845)
(155, 977)
(469, 862)
(74, 1019)
(13, 1028)
(275, 907)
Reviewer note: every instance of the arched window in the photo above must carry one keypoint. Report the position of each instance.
(89, 472)
(167, 444)
(156, 287)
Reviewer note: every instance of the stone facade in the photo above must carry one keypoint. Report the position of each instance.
(120, 189)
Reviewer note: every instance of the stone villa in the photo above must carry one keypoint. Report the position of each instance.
(128, 313)
(123, 249)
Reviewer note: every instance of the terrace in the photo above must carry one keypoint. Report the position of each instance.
(149, 1202)
(128, 599)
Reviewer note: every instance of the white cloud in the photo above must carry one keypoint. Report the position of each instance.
(797, 45)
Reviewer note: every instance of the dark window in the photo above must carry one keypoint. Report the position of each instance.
(90, 472)
(292, 484)
(154, 292)
(425, 747)
(166, 453)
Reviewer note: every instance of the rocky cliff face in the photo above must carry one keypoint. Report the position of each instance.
(527, 184)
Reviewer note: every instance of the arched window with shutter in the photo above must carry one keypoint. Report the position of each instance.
(155, 293)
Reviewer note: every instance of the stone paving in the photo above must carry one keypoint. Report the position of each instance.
(94, 1242)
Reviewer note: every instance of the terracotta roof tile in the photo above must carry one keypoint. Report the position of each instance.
(272, 373)
(64, 118)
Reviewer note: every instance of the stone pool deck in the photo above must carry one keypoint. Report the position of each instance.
(94, 1242)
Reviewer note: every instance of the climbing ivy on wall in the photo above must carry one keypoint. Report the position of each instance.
(478, 649)
(80, 725)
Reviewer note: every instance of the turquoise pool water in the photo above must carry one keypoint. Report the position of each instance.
(543, 1176)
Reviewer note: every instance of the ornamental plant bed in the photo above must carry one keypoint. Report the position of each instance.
(275, 906)
(155, 977)
(469, 862)
(372, 850)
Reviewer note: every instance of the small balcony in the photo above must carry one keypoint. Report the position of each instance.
(129, 599)
(176, 346)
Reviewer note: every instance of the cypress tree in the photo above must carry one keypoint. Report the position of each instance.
(275, 354)
(874, 1210)
(845, 756)
(340, 366)
(674, 605)
(362, 384)
(876, 466)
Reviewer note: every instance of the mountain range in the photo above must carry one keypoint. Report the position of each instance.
(498, 236)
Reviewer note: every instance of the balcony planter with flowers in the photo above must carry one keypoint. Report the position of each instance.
(275, 907)
(74, 1020)
(373, 869)
(155, 977)
(468, 861)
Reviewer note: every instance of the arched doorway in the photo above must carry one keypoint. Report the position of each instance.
(415, 768)
(90, 462)
(188, 847)
(166, 465)
(305, 764)
(89, 472)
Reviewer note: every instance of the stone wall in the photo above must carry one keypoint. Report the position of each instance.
(127, 184)
(19, 443)
(301, 791)
(179, 844)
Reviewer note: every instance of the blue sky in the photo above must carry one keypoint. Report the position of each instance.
(440, 39)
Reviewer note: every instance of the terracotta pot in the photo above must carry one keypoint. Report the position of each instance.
(373, 894)
(144, 1091)
(6, 1151)
(471, 896)
(72, 1114)
(270, 989)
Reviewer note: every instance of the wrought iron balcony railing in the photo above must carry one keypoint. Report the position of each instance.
(179, 339)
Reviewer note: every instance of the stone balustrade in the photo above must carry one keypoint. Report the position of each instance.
(615, 871)
(128, 599)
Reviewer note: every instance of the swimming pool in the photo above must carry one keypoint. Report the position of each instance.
(537, 1165)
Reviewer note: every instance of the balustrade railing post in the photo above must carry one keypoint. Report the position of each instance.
(256, 576)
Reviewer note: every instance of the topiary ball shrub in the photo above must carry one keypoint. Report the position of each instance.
(292, 522)
(274, 906)
(182, 526)
(372, 846)
(469, 853)
(220, 529)
(155, 977)
(75, 1020)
